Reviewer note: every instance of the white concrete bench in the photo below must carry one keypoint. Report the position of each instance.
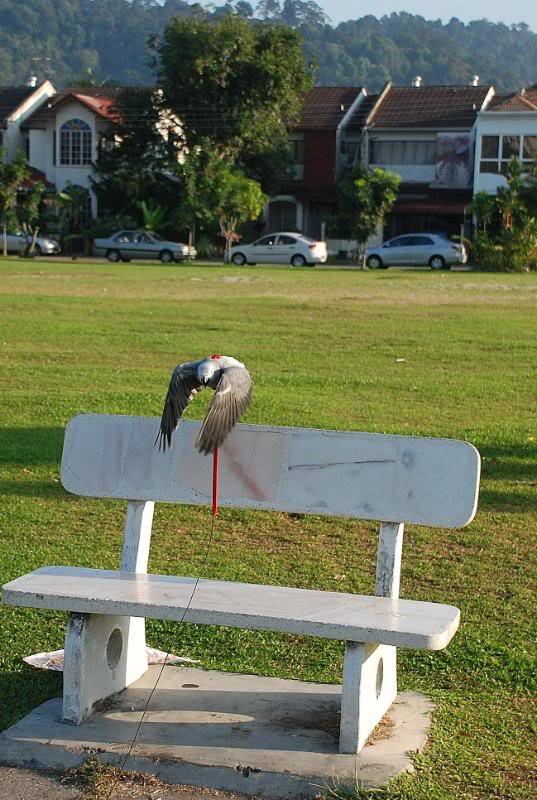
(395, 479)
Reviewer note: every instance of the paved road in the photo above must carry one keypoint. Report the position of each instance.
(23, 784)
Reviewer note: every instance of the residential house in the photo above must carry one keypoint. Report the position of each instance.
(64, 134)
(320, 149)
(16, 104)
(506, 128)
(426, 134)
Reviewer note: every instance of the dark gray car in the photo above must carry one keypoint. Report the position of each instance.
(125, 245)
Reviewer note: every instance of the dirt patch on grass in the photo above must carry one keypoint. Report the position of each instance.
(95, 781)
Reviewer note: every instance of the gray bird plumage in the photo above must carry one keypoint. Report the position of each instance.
(232, 386)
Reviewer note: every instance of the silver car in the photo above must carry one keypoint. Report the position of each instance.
(417, 249)
(124, 245)
(281, 248)
(44, 245)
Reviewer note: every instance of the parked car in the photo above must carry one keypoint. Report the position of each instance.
(44, 245)
(124, 245)
(281, 248)
(416, 249)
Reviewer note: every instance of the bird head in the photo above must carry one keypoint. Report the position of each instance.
(207, 369)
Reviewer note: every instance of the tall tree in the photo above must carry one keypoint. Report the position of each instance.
(238, 85)
(302, 12)
(217, 194)
(137, 154)
(365, 197)
(12, 176)
(30, 213)
(269, 9)
(238, 199)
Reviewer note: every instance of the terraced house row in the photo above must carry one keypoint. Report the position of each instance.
(445, 142)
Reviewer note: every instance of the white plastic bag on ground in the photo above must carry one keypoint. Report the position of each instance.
(54, 659)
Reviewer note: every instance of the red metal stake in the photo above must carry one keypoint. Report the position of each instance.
(214, 511)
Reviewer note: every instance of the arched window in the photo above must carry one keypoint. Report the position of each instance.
(75, 143)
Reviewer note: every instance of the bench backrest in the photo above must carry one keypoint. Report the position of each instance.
(363, 475)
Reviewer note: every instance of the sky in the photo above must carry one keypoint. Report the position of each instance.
(494, 10)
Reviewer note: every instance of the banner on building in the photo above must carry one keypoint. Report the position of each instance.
(453, 168)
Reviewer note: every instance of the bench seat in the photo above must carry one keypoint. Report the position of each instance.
(332, 615)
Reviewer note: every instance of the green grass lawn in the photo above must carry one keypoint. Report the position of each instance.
(326, 348)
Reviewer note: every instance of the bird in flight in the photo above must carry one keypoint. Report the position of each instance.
(232, 386)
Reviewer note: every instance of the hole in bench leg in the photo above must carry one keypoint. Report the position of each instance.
(114, 648)
(380, 677)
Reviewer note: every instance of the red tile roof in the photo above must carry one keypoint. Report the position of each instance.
(11, 97)
(100, 100)
(429, 107)
(325, 106)
(525, 100)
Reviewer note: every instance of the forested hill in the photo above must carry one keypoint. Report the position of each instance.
(63, 39)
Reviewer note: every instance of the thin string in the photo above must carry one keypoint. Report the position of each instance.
(214, 510)
(196, 582)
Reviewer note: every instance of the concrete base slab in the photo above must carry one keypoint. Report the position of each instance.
(258, 736)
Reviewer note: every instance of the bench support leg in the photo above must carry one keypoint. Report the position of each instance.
(103, 655)
(369, 688)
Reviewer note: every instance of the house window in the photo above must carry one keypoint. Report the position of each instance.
(75, 143)
(296, 149)
(497, 151)
(404, 152)
(529, 148)
(490, 151)
(510, 149)
(350, 148)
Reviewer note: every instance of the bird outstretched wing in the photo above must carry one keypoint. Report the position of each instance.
(184, 384)
(231, 399)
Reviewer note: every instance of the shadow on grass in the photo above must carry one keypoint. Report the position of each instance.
(505, 501)
(26, 488)
(31, 445)
(23, 690)
(510, 462)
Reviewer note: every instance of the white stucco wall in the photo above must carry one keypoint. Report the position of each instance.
(79, 176)
(14, 138)
(42, 148)
(490, 123)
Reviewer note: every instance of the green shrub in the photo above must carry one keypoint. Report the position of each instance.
(511, 250)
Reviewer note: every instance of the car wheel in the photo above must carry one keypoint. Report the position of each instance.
(113, 255)
(437, 262)
(375, 262)
(166, 256)
(298, 261)
(37, 250)
(238, 259)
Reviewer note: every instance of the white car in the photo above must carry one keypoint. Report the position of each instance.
(281, 248)
(44, 245)
(124, 245)
(417, 249)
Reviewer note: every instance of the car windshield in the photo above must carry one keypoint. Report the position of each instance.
(156, 237)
